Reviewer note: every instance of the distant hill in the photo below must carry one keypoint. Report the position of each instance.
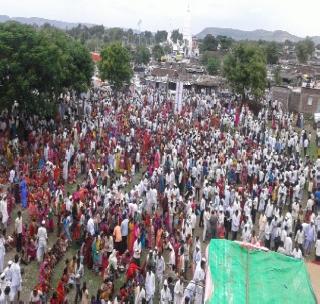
(41, 21)
(278, 36)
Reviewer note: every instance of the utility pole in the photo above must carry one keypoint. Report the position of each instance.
(139, 27)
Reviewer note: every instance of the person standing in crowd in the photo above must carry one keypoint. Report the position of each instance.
(160, 268)
(117, 237)
(2, 251)
(18, 231)
(150, 286)
(178, 291)
(165, 294)
(16, 280)
(42, 238)
(137, 250)
(199, 279)
(124, 233)
(235, 224)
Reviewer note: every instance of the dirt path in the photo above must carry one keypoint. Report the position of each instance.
(314, 271)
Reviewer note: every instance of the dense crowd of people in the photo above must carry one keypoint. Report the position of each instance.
(151, 188)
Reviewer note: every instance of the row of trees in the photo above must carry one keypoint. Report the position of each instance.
(304, 49)
(211, 43)
(245, 69)
(273, 50)
(37, 65)
(95, 37)
(115, 65)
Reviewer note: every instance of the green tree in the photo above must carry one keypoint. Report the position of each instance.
(77, 63)
(167, 49)
(245, 70)
(176, 36)
(309, 45)
(115, 65)
(304, 49)
(277, 76)
(225, 42)
(213, 66)
(129, 35)
(148, 37)
(272, 52)
(36, 65)
(288, 43)
(205, 56)
(157, 52)
(161, 36)
(209, 43)
(142, 55)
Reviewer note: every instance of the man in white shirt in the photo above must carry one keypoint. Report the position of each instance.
(90, 226)
(202, 209)
(18, 230)
(198, 277)
(12, 175)
(4, 211)
(16, 279)
(296, 252)
(193, 221)
(160, 268)
(165, 295)
(269, 210)
(281, 248)
(137, 164)
(150, 286)
(140, 295)
(235, 224)
(68, 202)
(178, 291)
(42, 242)
(172, 258)
(206, 223)
(35, 296)
(288, 244)
(137, 250)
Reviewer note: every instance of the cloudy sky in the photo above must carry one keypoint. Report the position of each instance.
(295, 16)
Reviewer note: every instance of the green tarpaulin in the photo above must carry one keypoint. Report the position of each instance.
(242, 276)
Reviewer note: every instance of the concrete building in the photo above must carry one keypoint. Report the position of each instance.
(300, 100)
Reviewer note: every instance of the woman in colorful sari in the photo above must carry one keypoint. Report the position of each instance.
(157, 159)
(60, 291)
(23, 192)
(117, 161)
(143, 236)
(96, 253)
(136, 231)
(32, 229)
(50, 220)
(31, 250)
(131, 235)
(159, 242)
(122, 163)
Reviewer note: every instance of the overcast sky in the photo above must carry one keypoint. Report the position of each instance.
(295, 16)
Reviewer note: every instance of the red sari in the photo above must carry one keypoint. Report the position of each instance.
(159, 242)
(131, 237)
(60, 292)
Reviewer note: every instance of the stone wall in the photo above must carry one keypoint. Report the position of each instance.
(310, 100)
(282, 95)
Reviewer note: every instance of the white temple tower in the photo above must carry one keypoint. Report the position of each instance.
(187, 33)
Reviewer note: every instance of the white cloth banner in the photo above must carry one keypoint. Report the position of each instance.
(179, 93)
